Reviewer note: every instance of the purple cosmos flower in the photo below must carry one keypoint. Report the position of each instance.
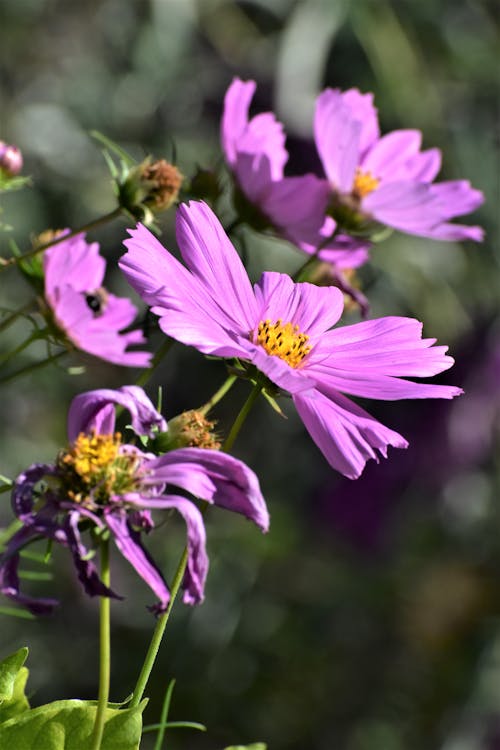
(90, 317)
(282, 329)
(101, 483)
(295, 206)
(386, 178)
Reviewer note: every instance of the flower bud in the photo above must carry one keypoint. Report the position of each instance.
(190, 429)
(163, 182)
(148, 188)
(11, 160)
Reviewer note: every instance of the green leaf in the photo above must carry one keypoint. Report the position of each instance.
(9, 669)
(255, 746)
(68, 725)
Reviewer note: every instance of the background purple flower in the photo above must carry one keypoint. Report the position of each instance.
(387, 178)
(89, 316)
(113, 485)
(282, 329)
(295, 206)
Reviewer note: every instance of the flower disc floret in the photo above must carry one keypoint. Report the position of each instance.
(364, 183)
(96, 468)
(283, 340)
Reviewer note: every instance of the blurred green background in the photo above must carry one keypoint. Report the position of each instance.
(368, 618)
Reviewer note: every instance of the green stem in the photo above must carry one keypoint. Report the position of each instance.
(301, 273)
(164, 716)
(161, 624)
(243, 414)
(104, 650)
(160, 354)
(31, 368)
(37, 334)
(6, 262)
(9, 319)
(218, 395)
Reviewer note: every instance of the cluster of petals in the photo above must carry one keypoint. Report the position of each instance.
(89, 316)
(163, 482)
(388, 178)
(295, 207)
(210, 304)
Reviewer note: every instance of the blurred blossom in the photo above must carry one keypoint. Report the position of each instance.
(88, 316)
(386, 179)
(294, 207)
(11, 160)
(100, 483)
(281, 329)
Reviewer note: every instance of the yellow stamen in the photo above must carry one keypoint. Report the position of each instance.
(94, 468)
(364, 183)
(283, 340)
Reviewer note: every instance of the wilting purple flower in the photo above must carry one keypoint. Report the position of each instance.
(386, 178)
(11, 159)
(295, 206)
(282, 328)
(101, 483)
(89, 316)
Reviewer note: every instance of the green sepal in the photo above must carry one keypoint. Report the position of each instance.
(9, 183)
(68, 725)
(13, 676)
(273, 403)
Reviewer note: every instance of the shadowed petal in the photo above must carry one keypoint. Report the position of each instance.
(346, 435)
(9, 577)
(197, 561)
(94, 410)
(215, 477)
(85, 568)
(129, 543)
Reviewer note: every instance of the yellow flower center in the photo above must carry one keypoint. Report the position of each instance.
(283, 340)
(94, 468)
(364, 183)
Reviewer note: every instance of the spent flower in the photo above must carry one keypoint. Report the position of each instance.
(282, 329)
(101, 484)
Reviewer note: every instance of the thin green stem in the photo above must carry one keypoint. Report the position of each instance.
(9, 319)
(301, 273)
(31, 368)
(6, 262)
(37, 334)
(218, 395)
(158, 357)
(164, 716)
(243, 414)
(104, 650)
(161, 624)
